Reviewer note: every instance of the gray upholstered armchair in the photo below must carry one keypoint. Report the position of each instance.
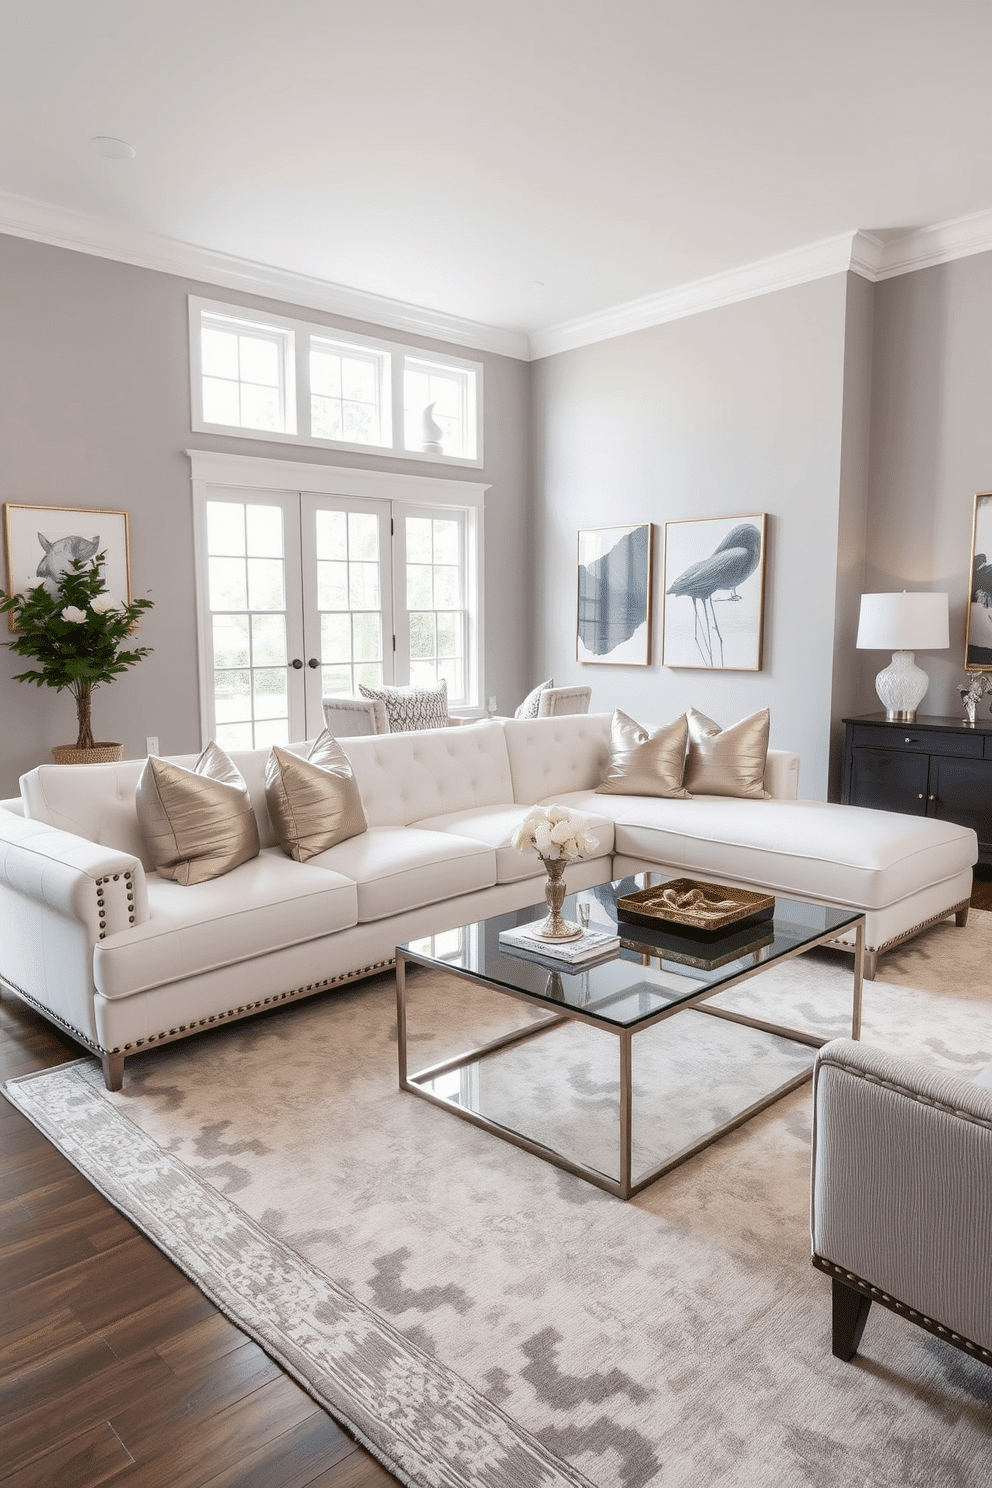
(557, 700)
(902, 1195)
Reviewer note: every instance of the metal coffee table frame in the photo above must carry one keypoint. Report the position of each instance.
(625, 1188)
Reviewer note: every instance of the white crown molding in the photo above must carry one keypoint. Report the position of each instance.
(103, 237)
(850, 250)
(945, 241)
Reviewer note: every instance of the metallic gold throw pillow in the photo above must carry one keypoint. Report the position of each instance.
(727, 762)
(199, 823)
(643, 764)
(313, 802)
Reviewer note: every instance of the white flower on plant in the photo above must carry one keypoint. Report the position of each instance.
(554, 832)
(104, 603)
(73, 616)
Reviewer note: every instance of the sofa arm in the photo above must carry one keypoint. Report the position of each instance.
(781, 774)
(59, 896)
(902, 1184)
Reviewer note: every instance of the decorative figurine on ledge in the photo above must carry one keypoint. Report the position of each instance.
(972, 692)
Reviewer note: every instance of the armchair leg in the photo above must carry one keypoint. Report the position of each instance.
(850, 1313)
(961, 917)
(113, 1070)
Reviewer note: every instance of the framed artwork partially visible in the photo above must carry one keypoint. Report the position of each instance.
(714, 593)
(978, 625)
(41, 542)
(614, 619)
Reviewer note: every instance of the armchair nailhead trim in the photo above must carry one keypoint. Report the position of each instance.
(913, 1095)
(875, 1294)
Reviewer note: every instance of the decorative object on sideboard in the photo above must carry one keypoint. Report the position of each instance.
(710, 562)
(76, 630)
(559, 837)
(972, 693)
(978, 621)
(614, 593)
(431, 433)
(903, 624)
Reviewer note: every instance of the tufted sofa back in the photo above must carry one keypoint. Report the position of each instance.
(550, 756)
(406, 777)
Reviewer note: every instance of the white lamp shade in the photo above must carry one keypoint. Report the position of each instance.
(903, 622)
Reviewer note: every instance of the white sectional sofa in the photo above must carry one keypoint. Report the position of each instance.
(124, 959)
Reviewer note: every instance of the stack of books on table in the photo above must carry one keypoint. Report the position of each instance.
(591, 945)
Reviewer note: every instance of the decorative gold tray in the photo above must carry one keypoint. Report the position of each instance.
(705, 955)
(703, 909)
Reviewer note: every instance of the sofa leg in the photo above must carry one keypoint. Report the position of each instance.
(850, 1313)
(113, 1070)
(871, 964)
(961, 917)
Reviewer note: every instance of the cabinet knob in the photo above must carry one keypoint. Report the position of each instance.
(931, 798)
(908, 740)
(920, 796)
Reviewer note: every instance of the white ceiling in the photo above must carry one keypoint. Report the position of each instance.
(517, 163)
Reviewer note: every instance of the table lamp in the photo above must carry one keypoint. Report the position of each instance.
(902, 623)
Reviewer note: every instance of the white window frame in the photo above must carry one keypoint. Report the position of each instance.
(297, 383)
(212, 470)
(426, 362)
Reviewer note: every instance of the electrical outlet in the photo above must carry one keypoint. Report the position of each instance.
(151, 744)
(492, 707)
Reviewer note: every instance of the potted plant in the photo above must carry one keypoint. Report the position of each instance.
(76, 633)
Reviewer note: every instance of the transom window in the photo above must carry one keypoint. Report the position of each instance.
(295, 381)
(247, 375)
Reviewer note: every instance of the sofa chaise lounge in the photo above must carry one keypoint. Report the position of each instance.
(124, 960)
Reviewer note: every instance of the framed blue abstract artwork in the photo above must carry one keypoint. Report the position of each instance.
(614, 620)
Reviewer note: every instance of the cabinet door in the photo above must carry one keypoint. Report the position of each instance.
(889, 780)
(962, 791)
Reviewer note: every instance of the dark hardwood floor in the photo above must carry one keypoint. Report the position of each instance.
(114, 1368)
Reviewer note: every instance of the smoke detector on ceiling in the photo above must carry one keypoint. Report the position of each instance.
(110, 148)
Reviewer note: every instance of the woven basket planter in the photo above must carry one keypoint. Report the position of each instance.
(99, 754)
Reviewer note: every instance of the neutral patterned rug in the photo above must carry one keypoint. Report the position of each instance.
(483, 1320)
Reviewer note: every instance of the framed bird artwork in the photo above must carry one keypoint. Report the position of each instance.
(978, 630)
(714, 593)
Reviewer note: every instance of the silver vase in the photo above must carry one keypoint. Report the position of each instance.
(554, 927)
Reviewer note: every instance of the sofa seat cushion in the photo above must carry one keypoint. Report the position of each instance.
(495, 825)
(401, 868)
(262, 905)
(818, 850)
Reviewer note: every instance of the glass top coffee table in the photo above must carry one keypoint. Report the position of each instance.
(564, 1082)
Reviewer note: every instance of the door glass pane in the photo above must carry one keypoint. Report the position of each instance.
(349, 598)
(247, 596)
(434, 588)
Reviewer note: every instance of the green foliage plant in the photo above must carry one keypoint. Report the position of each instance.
(77, 636)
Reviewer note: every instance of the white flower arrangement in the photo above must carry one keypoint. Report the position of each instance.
(102, 604)
(554, 832)
(73, 615)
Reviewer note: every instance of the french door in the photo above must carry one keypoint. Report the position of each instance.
(298, 590)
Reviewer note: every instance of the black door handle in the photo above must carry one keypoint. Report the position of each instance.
(296, 663)
(313, 662)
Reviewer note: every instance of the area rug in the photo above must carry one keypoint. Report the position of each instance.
(481, 1319)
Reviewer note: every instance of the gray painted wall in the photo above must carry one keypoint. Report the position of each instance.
(95, 412)
(736, 410)
(931, 450)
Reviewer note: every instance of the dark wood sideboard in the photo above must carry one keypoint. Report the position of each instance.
(938, 767)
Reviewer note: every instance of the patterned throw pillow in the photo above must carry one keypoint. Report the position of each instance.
(528, 708)
(410, 708)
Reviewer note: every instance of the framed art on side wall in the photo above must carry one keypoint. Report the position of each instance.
(714, 593)
(978, 625)
(42, 541)
(614, 595)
